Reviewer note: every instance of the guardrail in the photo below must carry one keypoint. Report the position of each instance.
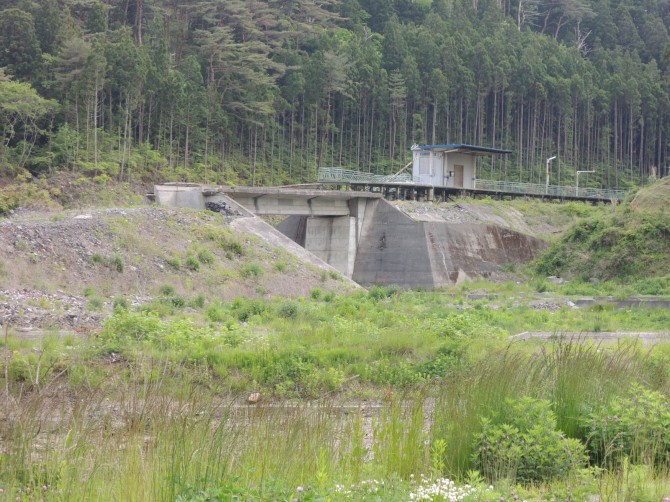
(329, 174)
(337, 174)
(551, 190)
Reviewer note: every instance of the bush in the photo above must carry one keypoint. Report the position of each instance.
(379, 293)
(174, 263)
(216, 312)
(97, 258)
(246, 308)
(198, 302)
(523, 444)
(205, 256)
(280, 266)
(120, 303)
(178, 301)
(252, 270)
(95, 303)
(116, 263)
(166, 290)
(636, 426)
(288, 309)
(9, 201)
(192, 264)
(316, 294)
(131, 326)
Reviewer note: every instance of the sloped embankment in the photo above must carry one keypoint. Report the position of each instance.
(66, 269)
(626, 244)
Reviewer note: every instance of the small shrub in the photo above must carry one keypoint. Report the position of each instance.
(198, 302)
(246, 308)
(280, 266)
(88, 291)
(178, 301)
(541, 285)
(131, 325)
(120, 303)
(96, 258)
(116, 263)
(288, 309)
(523, 444)
(95, 303)
(192, 264)
(336, 276)
(329, 297)
(9, 200)
(634, 427)
(316, 294)
(379, 293)
(174, 263)
(166, 290)
(216, 313)
(205, 256)
(252, 270)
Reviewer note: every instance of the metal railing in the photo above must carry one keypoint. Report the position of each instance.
(337, 174)
(551, 190)
(330, 174)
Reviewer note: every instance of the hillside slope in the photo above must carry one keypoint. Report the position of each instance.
(631, 242)
(68, 268)
(654, 198)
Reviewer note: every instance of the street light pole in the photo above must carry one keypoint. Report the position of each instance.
(546, 186)
(577, 184)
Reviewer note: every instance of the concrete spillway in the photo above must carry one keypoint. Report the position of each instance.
(366, 238)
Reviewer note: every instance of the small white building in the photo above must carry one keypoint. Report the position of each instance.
(451, 166)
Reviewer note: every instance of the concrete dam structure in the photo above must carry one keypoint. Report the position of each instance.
(365, 237)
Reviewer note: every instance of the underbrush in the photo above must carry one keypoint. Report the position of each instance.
(518, 425)
(625, 245)
(385, 395)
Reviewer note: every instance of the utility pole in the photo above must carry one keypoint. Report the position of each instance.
(546, 186)
(577, 183)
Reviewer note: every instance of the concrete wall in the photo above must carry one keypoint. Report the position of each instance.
(460, 251)
(292, 205)
(333, 239)
(395, 249)
(373, 242)
(180, 196)
(295, 228)
(392, 250)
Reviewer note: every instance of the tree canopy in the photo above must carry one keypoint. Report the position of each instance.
(266, 91)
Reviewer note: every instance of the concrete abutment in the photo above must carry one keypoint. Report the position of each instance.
(366, 238)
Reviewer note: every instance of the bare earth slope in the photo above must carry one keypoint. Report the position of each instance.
(53, 264)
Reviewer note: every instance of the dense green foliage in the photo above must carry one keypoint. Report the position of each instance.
(524, 443)
(265, 92)
(624, 245)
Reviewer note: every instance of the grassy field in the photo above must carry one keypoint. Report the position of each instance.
(199, 393)
(379, 395)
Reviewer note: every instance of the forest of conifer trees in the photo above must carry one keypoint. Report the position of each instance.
(266, 91)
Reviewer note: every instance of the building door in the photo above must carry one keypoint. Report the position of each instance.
(458, 176)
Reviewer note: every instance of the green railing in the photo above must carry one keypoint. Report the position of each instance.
(551, 190)
(333, 174)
